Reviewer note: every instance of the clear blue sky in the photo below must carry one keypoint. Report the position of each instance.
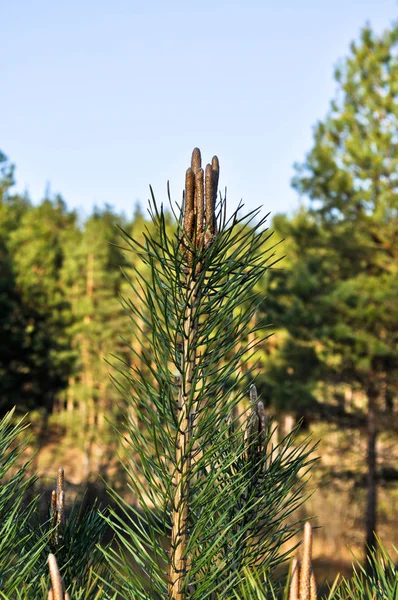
(102, 98)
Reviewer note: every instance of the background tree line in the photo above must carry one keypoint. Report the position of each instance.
(332, 302)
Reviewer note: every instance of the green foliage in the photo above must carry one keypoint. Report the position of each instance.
(40, 234)
(25, 542)
(349, 176)
(20, 548)
(78, 553)
(379, 581)
(336, 294)
(252, 587)
(21, 343)
(91, 279)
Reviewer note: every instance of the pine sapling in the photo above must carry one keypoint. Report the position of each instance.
(213, 493)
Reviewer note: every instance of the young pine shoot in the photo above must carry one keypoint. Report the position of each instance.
(213, 493)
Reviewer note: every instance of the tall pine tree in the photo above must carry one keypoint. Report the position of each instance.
(343, 285)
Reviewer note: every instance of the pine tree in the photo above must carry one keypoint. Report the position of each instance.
(24, 347)
(91, 280)
(213, 496)
(35, 247)
(343, 280)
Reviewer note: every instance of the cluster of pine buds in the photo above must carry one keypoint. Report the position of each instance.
(200, 197)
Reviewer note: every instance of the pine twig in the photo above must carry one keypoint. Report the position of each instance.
(58, 509)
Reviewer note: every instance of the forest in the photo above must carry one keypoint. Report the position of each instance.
(327, 319)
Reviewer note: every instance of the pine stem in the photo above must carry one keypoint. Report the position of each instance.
(179, 536)
(199, 229)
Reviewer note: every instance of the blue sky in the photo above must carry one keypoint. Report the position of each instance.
(102, 98)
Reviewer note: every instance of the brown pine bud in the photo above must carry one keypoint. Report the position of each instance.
(305, 571)
(210, 215)
(189, 203)
(294, 580)
(215, 167)
(60, 480)
(253, 393)
(312, 586)
(56, 580)
(262, 423)
(196, 161)
(199, 203)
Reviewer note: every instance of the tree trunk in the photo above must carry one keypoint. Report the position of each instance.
(70, 399)
(376, 398)
(371, 458)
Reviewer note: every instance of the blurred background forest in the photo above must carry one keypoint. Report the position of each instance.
(331, 305)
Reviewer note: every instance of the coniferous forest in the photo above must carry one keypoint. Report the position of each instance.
(212, 381)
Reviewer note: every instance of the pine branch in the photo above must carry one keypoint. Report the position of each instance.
(58, 510)
(211, 501)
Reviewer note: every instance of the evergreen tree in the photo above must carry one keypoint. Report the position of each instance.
(35, 247)
(343, 284)
(24, 339)
(91, 279)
